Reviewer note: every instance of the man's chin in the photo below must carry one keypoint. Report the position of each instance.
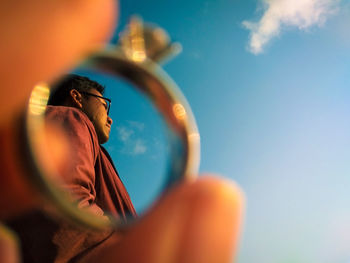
(103, 139)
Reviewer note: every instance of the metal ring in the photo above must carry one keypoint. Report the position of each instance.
(150, 79)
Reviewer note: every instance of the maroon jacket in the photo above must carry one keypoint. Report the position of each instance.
(93, 182)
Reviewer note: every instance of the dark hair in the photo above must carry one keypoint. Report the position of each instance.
(60, 90)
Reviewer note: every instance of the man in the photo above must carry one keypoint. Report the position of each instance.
(80, 108)
(77, 106)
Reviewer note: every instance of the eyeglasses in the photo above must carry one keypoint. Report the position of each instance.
(108, 101)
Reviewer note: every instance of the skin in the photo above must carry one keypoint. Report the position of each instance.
(45, 39)
(196, 221)
(96, 109)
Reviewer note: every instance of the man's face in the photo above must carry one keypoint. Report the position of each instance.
(96, 109)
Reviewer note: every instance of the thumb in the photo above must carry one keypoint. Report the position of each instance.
(195, 222)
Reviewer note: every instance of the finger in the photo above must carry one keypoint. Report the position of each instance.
(196, 222)
(41, 39)
(9, 251)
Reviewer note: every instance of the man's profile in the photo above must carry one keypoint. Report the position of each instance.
(84, 94)
(77, 105)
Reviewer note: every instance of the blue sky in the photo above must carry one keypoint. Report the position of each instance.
(274, 116)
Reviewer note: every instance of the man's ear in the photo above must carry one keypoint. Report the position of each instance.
(76, 98)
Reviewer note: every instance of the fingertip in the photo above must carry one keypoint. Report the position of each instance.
(214, 221)
(220, 188)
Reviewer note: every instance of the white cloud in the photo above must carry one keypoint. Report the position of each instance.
(139, 147)
(293, 13)
(131, 137)
(124, 133)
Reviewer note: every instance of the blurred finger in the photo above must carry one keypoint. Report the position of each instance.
(196, 222)
(9, 251)
(41, 39)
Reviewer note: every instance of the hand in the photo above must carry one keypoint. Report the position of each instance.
(195, 222)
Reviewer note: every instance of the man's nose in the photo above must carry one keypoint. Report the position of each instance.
(109, 120)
